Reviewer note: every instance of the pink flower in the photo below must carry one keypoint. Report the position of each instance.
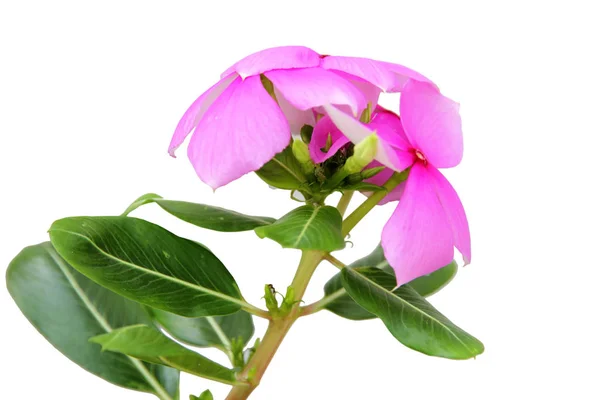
(429, 220)
(238, 126)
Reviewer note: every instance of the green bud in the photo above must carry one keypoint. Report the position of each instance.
(288, 301)
(306, 133)
(270, 299)
(328, 143)
(365, 117)
(300, 150)
(371, 172)
(364, 153)
(206, 395)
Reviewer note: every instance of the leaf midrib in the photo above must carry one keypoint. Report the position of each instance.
(289, 170)
(305, 227)
(201, 289)
(387, 292)
(161, 392)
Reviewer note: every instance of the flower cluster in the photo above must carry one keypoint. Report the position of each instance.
(265, 99)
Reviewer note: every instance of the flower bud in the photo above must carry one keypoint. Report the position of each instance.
(364, 153)
(300, 150)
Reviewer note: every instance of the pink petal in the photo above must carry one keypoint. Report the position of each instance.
(284, 57)
(405, 74)
(380, 179)
(375, 72)
(417, 239)
(389, 128)
(455, 213)
(389, 77)
(370, 91)
(193, 114)
(307, 88)
(432, 124)
(322, 130)
(354, 130)
(296, 118)
(240, 132)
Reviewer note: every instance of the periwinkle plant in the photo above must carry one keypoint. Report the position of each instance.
(103, 286)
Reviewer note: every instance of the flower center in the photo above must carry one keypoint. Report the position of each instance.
(421, 156)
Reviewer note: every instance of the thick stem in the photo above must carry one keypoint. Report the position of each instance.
(345, 202)
(362, 210)
(278, 328)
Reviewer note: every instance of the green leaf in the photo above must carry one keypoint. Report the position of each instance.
(427, 285)
(67, 309)
(206, 395)
(148, 264)
(204, 216)
(148, 344)
(408, 316)
(283, 171)
(364, 187)
(307, 228)
(216, 332)
(343, 305)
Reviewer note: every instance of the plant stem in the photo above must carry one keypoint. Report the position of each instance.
(278, 328)
(334, 261)
(344, 202)
(362, 210)
(321, 304)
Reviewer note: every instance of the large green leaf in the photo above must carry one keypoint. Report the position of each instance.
(307, 228)
(343, 305)
(148, 344)
(283, 171)
(216, 332)
(202, 215)
(67, 309)
(408, 316)
(148, 264)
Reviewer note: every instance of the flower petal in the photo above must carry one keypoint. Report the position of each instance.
(370, 91)
(455, 213)
(284, 57)
(354, 130)
(195, 112)
(323, 129)
(432, 124)
(417, 239)
(240, 132)
(380, 179)
(297, 118)
(375, 72)
(307, 88)
(405, 74)
(389, 77)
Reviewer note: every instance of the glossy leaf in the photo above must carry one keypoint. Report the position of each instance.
(148, 344)
(216, 332)
(202, 215)
(343, 305)
(307, 228)
(408, 316)
(148, 264)
(67, 309)
(283, 171)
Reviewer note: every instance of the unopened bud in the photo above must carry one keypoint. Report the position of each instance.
(364, 153)
(365, 117)
(306, 133)
(371, 172)
(300, 150)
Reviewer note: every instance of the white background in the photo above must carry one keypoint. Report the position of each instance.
(90, 95)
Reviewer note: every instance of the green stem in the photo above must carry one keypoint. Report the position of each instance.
(362, 210)
(321, 304)
(334, 261)
(345, 202)
(278, 328)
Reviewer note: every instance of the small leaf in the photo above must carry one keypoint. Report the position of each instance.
(408, 316)
(307, 228)
(148, 344)
(67, 309)
(148, 264)
(206, 395)
(283, 171)
(216, 332)
(345, 307)
(204, 216)
(364, 187)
